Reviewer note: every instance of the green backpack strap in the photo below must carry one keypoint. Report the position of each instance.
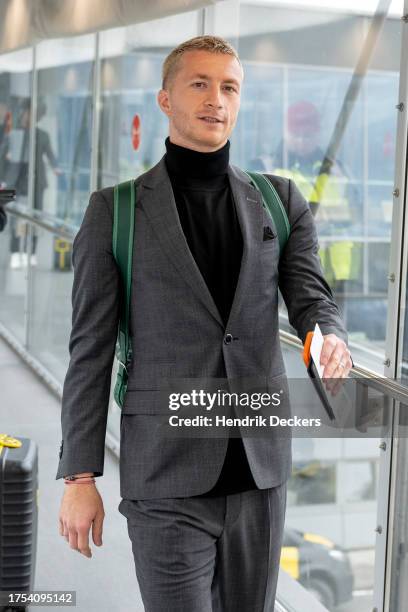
(273, 205)
(122, 245)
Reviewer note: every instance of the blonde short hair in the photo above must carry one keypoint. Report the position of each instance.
(213, 44)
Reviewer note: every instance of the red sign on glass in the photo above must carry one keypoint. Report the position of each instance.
(136, 128)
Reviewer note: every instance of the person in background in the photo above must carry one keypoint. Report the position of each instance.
(17, 174)
(331, 197)
(5, 125)
(43, 151)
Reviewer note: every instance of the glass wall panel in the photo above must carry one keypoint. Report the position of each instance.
(398, 526)
(13, 277)
(306, 114)
(65, 71)
(132, 126)
(331, 514)
(50, 301)
(398, 560)
(318, 107)
(15, 95)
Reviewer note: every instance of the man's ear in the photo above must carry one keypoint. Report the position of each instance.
(164, 101)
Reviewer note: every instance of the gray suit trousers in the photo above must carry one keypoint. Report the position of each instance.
(208, 554)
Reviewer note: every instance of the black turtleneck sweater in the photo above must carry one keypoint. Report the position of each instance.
(209, 221)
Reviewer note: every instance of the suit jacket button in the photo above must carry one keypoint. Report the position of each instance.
(228, 339)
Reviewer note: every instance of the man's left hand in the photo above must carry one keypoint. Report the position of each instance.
(336, 359)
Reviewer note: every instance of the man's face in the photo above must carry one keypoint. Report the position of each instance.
(202, 100)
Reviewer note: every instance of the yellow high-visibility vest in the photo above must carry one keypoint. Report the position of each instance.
(340, 258)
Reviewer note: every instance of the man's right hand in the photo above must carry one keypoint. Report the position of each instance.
(81, 508)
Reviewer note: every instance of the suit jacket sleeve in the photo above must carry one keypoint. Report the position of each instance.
(95, 313)
(307, 295)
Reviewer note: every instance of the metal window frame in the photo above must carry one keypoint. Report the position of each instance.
(395, 331)
(29, 297)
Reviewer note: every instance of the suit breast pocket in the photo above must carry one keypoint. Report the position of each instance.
(269, 235)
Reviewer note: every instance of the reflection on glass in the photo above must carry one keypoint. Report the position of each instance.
(322, 112)
(15, 96)
(332, 505)
(13, 279)
(312, 482)
(320, 565)
(63, 147)
(319, 104)
(16, 161)
(360, 481)
(43, 153)
(398, 557)
(399, 533)
(132, 127)
(50, 318)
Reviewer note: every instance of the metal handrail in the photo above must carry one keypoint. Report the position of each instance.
(41, 219)
(389, 387)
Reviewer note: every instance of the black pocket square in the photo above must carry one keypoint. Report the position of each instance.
(268, 233)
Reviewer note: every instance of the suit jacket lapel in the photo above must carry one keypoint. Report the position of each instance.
(157, 198)
(160, 206)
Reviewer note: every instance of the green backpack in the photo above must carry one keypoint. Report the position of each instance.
(122, 241)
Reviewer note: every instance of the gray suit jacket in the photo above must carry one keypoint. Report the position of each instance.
(177, 333)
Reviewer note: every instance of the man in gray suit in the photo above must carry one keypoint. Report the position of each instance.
(205, 515)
